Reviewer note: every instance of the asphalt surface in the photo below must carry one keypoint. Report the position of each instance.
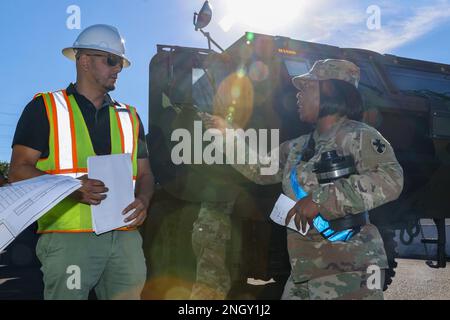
(416, 281)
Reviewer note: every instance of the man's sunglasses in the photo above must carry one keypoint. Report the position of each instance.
(111, 60)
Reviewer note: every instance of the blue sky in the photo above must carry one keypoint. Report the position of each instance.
(33, 33)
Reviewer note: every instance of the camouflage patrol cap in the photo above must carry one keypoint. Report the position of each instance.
(330, 69)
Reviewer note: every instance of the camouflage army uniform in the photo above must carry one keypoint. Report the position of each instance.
(321, 269)
(210, 234)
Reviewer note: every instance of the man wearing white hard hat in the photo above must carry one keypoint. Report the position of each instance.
(56, 134)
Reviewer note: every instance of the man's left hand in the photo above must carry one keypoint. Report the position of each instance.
(304, 211)
(139, 215)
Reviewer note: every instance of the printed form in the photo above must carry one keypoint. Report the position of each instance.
(23, 203)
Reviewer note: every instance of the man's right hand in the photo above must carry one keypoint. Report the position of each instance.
(92, 191)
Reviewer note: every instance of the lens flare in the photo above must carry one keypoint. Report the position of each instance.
(234, 99)
(235, 92)
(261, 14)
(259, 71)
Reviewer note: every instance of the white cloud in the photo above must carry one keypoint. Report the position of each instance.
(399, 33)
(346, 26)
(344, 23)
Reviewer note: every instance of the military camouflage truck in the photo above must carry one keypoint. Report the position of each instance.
(407, 100)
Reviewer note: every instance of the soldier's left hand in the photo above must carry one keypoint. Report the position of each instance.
(139, 215)
(304, 211)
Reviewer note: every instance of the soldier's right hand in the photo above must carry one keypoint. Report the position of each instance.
(92, 192)
(213, 122)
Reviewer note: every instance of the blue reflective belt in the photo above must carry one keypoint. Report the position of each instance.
(321, 225)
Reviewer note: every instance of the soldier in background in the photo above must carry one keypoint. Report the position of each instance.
(322, 269)
(210, 235)
(212, 192)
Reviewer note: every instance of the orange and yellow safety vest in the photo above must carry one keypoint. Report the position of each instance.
(70, 146)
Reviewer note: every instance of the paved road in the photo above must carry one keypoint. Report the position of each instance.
(416, 281)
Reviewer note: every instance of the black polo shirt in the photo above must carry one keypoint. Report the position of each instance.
(33, 129)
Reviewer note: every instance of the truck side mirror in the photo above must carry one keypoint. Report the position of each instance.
(203, 18)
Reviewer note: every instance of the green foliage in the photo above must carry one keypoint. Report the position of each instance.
(4, 168)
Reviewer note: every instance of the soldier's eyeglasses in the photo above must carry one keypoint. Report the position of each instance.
(111, 60)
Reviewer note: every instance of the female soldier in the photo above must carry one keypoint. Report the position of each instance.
(322, 269)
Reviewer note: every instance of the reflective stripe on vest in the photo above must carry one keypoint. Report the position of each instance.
(126, 127)
(70, 146)
(64, 120)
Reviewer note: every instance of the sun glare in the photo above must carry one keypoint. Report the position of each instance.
(261, 14)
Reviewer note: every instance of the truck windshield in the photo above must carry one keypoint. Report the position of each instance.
(204, 86)
(202, 91)
(414, 80)
(296, 67)
(369, 77)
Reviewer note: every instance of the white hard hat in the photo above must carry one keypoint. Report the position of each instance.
(100, 37)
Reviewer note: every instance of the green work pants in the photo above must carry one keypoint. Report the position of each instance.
(75, 263)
